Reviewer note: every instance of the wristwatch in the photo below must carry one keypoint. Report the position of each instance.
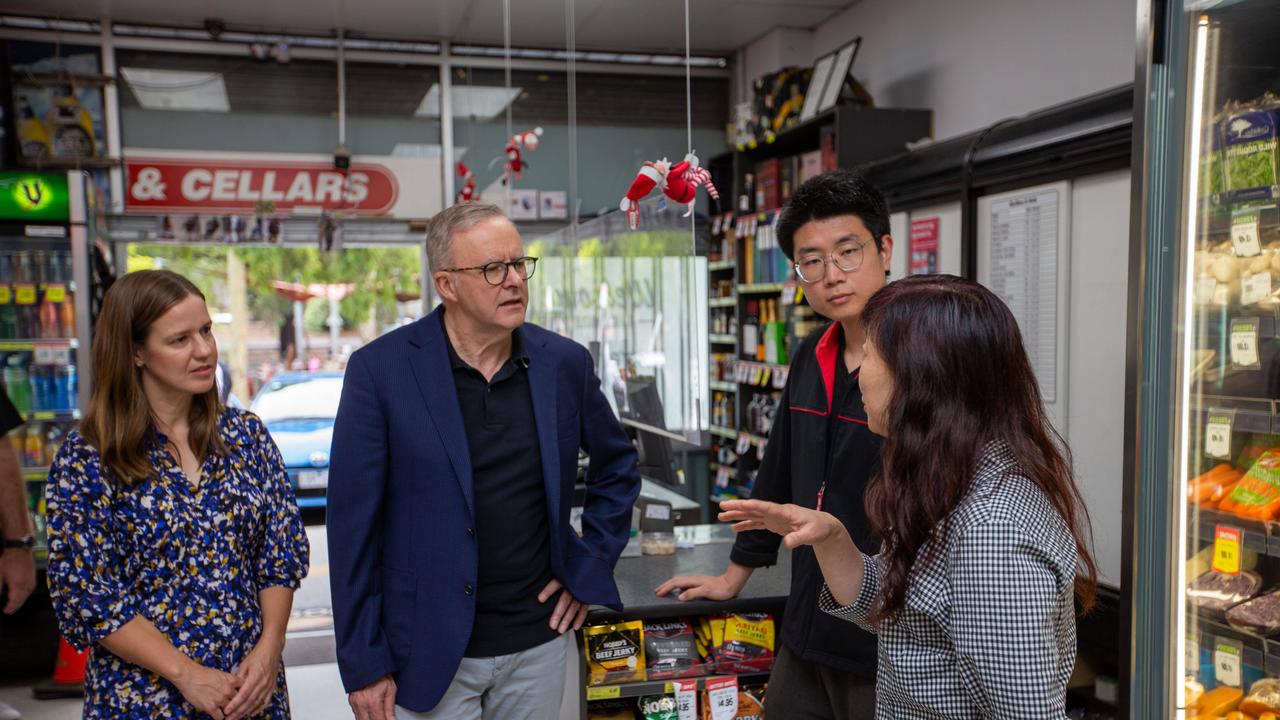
(26, 542)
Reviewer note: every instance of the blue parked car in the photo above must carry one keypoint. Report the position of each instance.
(299, 409)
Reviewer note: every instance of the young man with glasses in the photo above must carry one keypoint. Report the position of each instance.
(456, 576)
(820, 453)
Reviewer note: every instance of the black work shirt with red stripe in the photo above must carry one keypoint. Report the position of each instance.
(820, 434)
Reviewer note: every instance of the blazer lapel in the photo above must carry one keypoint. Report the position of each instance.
(542, 386)
(431, 370)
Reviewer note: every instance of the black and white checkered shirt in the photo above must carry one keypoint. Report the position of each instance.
(989, 629)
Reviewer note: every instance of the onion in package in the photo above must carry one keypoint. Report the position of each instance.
(1260, 615)
(1219, 591)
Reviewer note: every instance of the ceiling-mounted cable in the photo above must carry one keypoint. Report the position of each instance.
(688, 79)
(506, 47)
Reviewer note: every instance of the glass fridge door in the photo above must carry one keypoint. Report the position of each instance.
(1225, 426)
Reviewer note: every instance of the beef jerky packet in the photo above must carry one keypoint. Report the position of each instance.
(614, 653)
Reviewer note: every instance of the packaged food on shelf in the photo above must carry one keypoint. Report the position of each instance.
(612, 709)
(1250, 154)
(671, 650)
(615, 652)
(1264, 696)
(748, 642)
(1202, 562)
(1260, 615)
(1219, 701)
(1257, 495)
(1191, 690)
(1219, 591)
(659, 707)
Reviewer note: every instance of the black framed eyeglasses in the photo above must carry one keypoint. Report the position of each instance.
(495, 273)
(846, 255)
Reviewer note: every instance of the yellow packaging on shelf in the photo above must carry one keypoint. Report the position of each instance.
(614, 653)
(1201, 562)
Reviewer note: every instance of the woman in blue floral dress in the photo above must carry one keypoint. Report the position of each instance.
(175, 541)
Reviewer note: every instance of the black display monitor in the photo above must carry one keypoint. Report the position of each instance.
(644, 405)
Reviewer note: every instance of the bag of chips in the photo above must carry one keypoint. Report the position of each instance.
(614, 709)
(659, 707)
(614, 653)
(671, 649)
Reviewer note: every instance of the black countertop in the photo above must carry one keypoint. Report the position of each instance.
(637, 577)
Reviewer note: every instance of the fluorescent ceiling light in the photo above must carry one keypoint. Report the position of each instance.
(419, 150)
(484, 102)
(178, 89)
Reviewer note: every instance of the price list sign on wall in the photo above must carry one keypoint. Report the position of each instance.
(1024, 272)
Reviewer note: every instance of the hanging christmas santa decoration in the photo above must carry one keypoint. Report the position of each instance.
(515, 162)
(679, 182)
(468, 191)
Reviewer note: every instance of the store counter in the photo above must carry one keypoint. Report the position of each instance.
(638, 576)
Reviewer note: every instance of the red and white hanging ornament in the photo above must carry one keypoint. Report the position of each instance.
(468, 191)
(515, 163)
(679, 182)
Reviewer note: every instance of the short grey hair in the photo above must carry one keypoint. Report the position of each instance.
(456, 218)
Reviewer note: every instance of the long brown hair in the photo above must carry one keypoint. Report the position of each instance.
(118, 421)
(961, 379)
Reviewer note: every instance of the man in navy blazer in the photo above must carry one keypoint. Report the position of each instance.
(455, 573)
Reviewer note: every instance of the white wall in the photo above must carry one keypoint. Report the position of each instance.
(976, 61)
(780, 47)
(1096, 355)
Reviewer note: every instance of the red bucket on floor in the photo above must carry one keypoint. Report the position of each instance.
(69, 669)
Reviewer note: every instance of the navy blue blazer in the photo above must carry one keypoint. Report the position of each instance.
(401, 511)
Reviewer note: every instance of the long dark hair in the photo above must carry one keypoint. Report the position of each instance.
(118, 421)
(961, 379)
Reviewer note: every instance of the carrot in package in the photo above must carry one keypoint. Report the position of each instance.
(1257, 495)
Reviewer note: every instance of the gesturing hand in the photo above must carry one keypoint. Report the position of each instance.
(568, 613)
(797, 525)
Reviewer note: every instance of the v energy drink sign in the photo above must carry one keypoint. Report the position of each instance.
(31, 196)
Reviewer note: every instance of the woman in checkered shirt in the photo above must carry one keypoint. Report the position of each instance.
(986, 539)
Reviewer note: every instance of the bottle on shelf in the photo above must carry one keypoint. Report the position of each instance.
(17, 380)
(765, 322)
(33, 449)
(750, 332)
(67, 317)
(50, 320)
(64, 387)
(8, 320)
(52, 442)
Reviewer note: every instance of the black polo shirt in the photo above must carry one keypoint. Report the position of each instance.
(820, 444)
(513, 532)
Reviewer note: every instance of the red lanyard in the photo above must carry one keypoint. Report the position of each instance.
(822, 491)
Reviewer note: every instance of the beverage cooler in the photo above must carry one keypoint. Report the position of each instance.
(44, 317)
(1203, 495)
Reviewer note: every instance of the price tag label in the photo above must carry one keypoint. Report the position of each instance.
(1226, 549)
(657, 512)
(764, 380)
(1244, 343)
(1217, 434)
(1191, 656)
(1226, 662)
(757, 376)
(1255, 288)
(687, 699)
(722, 696)
(722, 477)
(52, 355)
(1204, 288)
(1244, 233)
(715, 225)
(6, 295)
(25, 294)
(55, 293)
(780, 378)
(608, 692)
(744, 443)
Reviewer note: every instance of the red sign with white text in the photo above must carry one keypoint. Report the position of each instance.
(178, 185)
(923, 259)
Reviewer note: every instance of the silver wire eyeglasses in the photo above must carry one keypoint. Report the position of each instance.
(495, 273)
(846, 255)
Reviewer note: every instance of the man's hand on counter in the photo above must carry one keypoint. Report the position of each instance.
(707, 587)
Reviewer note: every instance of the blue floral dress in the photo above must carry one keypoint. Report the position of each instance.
(191, 558)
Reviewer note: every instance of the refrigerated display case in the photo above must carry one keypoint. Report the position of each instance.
(1204, 409)
(44, 318)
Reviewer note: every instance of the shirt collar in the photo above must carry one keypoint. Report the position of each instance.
(518, 352)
